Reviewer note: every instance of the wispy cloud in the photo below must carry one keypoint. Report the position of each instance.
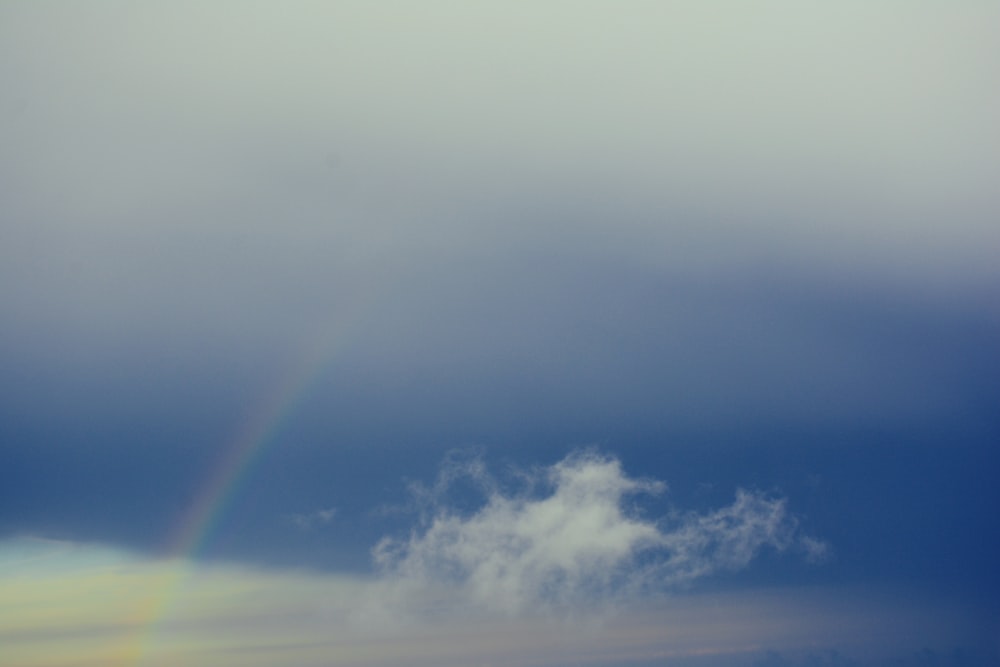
(567, 539)
(311, 519)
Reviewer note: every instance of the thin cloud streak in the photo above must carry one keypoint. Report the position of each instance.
(317, 518)
(229, 616)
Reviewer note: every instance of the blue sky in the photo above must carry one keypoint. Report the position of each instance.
(566, 333)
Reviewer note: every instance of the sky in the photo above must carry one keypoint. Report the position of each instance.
(499, 334)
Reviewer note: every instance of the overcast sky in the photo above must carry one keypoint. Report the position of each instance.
(484, 333)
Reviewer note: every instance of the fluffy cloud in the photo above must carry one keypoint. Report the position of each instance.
(576, 541)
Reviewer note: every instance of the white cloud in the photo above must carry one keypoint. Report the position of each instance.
(319, 517)
(577, 544)
(816, 551)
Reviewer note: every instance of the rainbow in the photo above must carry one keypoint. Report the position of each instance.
(225, 480)
(222, 485)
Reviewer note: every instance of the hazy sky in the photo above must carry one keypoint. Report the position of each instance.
(482, 333)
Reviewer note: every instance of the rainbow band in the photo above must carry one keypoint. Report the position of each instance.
(224, 482)
(222, 486)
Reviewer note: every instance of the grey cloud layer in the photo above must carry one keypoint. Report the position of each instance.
(240, 171)
(607, 215)
(368, 119)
